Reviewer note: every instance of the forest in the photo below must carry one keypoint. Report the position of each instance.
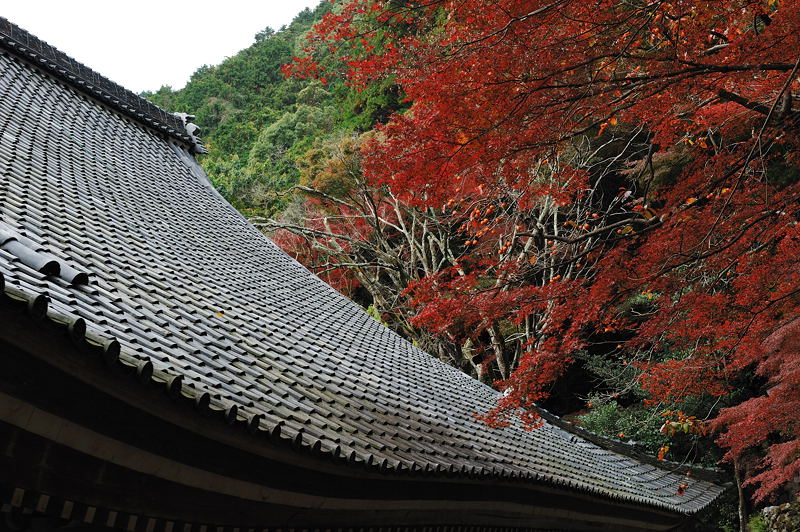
(591, 206)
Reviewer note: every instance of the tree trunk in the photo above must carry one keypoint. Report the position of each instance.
(499, 352)
(737, 474)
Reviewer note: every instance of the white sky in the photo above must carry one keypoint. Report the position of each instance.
(143, 44)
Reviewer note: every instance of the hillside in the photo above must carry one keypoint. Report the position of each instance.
(259, 126)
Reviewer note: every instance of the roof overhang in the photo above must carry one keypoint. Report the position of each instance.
(88, 441)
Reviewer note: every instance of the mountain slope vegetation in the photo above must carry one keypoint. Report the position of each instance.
(259, 125)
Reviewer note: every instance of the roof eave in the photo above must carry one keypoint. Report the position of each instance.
(62, 342)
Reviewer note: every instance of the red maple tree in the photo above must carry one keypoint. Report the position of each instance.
(594, 158)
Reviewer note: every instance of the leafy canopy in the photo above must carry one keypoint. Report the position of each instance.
(614, 176)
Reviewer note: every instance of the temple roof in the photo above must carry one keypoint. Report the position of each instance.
(113, 230)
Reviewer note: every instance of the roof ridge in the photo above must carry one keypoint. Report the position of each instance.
(632, 449)
(84, 79)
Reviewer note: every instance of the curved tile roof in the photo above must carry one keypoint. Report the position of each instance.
(178, 278)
